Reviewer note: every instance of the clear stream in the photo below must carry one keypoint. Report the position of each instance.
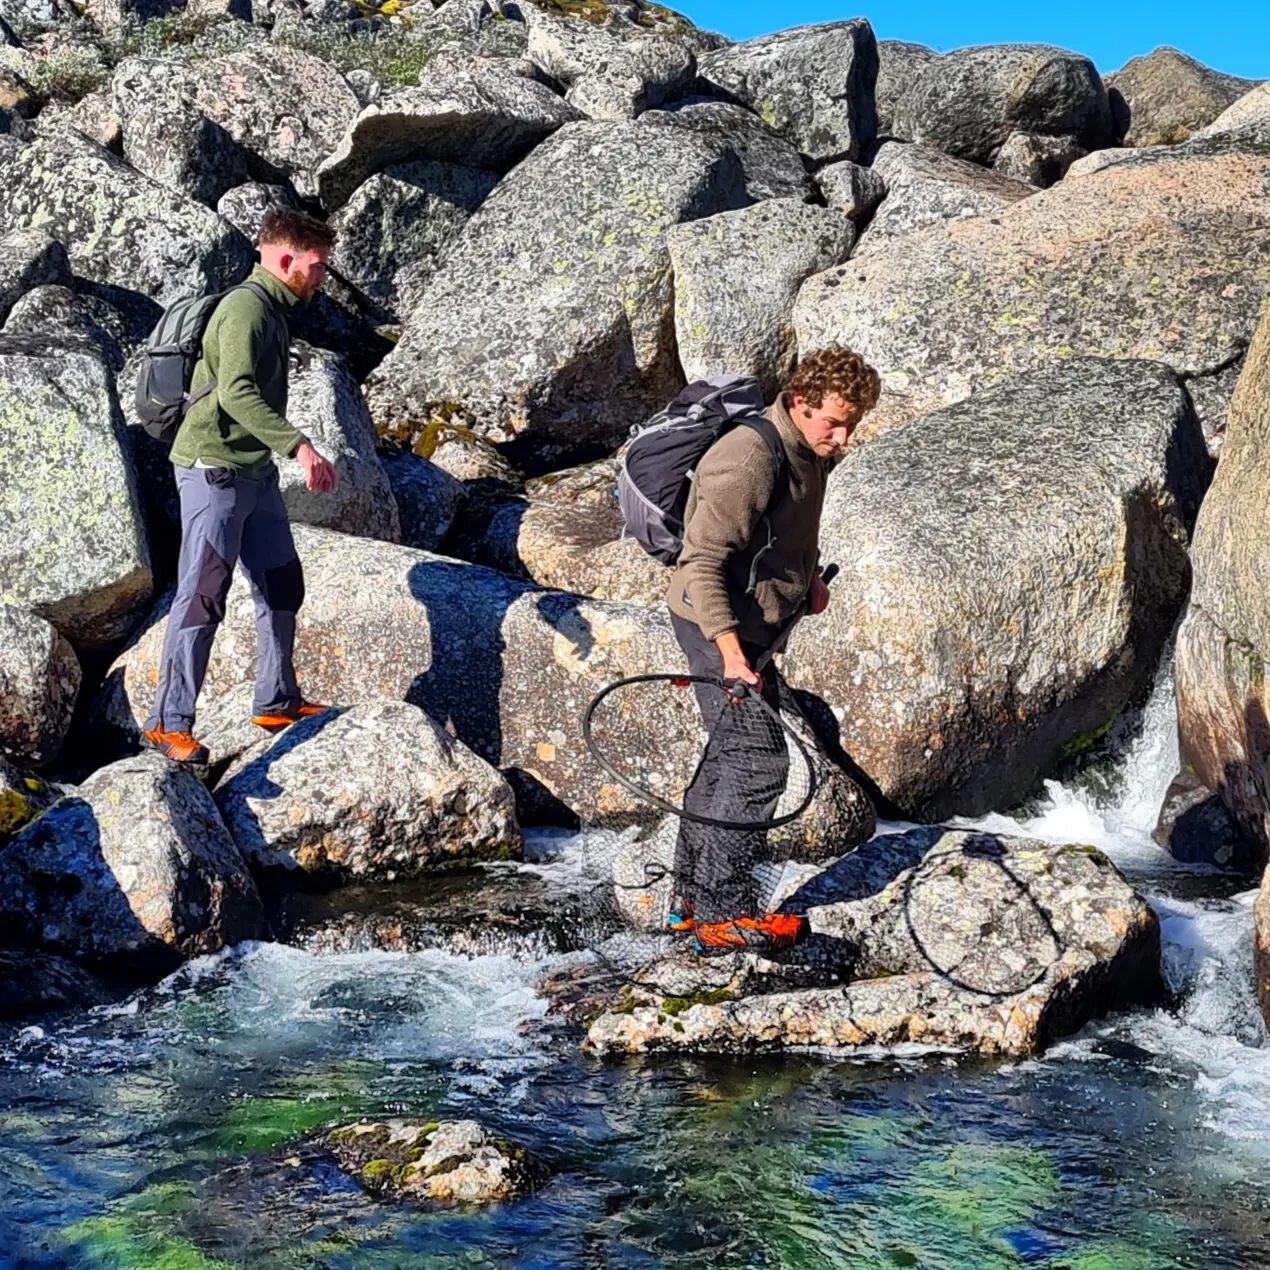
(162, 1132)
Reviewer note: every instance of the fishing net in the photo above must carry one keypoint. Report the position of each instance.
(702, 796)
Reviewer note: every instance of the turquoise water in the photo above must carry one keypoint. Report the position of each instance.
(170, 1131)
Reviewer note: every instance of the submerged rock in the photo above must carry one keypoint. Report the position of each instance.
(446, 1162)
(957, 939)
(135, 864)
(376, 790)
(1194, 826)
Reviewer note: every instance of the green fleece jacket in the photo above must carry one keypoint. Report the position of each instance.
(732, 493)
(242, 424)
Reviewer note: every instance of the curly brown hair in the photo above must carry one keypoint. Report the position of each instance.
(281, 225)
(834, 371)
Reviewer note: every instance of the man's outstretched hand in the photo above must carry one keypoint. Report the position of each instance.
(319, 475)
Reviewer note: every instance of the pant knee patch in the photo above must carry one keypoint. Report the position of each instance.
(284, 587)
(207, 608)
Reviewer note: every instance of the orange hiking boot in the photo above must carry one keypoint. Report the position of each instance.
(276, 720)
(180, 747)
(770, 933)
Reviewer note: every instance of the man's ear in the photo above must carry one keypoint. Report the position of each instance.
(285, 261)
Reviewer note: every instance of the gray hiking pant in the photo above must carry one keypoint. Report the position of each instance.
(227, 519)
(740, 777)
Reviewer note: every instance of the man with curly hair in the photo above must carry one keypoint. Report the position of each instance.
(748, 571)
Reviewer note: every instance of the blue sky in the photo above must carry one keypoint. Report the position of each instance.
(1231, 35)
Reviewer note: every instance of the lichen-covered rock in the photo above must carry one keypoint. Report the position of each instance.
(1222, 669)
(926, 187)
(966, 103)
(853, 190)
(478, 114)
(813, 84)
(1171, 96)
(575, 308)
(450, 1162)
(429, 499)
(374, 791)
(135, 864)
(958, 306)
(1195, 827)
(396, 227)
(35, 983)
(1249, 114)
(29, 258)
(23, 796)
(96, 116)
(39, 681)
(287, 109)
(900, 65)
(72, 542)
(1036, 160)
(737, 276)
(120, 228)
(166, 138)
(56, 315)
(245, 206)
(326, 404)
(967, 539)
(772, 167)
(969, 940)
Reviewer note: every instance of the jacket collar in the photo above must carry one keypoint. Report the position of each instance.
(275, 286)
(795, 442)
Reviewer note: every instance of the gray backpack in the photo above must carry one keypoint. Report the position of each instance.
(169, 357)
(658, 466)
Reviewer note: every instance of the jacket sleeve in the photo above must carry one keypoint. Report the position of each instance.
(734, 485)
(242, 337)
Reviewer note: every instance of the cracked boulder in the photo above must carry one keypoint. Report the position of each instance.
(958, 306)
(964, 940)
(134, 865)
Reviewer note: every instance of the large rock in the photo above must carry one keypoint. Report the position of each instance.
(39, 681)
(397, 225)
(119, 228)
(429, 500)
(478, 114)
(326, 404)
(136, 864)
(33, 983)
(1171, 96)
(773, 167)
(853, 190)
(56, 315)
(1223, 652)
(958, 306)
(926, 187)
(246, 206)
(29, 258)
(508, 668)
(450, 1162)
(376, 791)
(72, 541)
(574, 305)
(967, 540)
(968, 940)
(166, 138)
(737, 276)
(1195, 827)
(813, 84)
(900, 65)
(1249, 112)
(1037, 160)
(968, 102)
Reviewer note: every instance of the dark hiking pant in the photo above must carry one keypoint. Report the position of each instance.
(227, 519)
(741, 776)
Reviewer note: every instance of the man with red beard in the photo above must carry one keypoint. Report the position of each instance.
(231, 508)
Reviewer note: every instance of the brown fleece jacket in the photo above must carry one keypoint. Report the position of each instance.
(734, 484)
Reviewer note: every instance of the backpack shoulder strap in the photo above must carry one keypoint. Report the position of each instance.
(780, 487)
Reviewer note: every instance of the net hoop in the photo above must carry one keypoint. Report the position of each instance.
(682, 681)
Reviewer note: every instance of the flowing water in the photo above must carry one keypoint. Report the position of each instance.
(168, 1131)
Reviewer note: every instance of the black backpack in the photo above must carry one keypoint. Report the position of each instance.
(658, 466)
(167, 362)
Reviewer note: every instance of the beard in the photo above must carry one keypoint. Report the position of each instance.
(298, 283)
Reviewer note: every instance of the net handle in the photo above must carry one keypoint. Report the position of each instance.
(683, 681)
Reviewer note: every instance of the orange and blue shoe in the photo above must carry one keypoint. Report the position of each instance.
(180, 747)
(772, 932)
(276, 720)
